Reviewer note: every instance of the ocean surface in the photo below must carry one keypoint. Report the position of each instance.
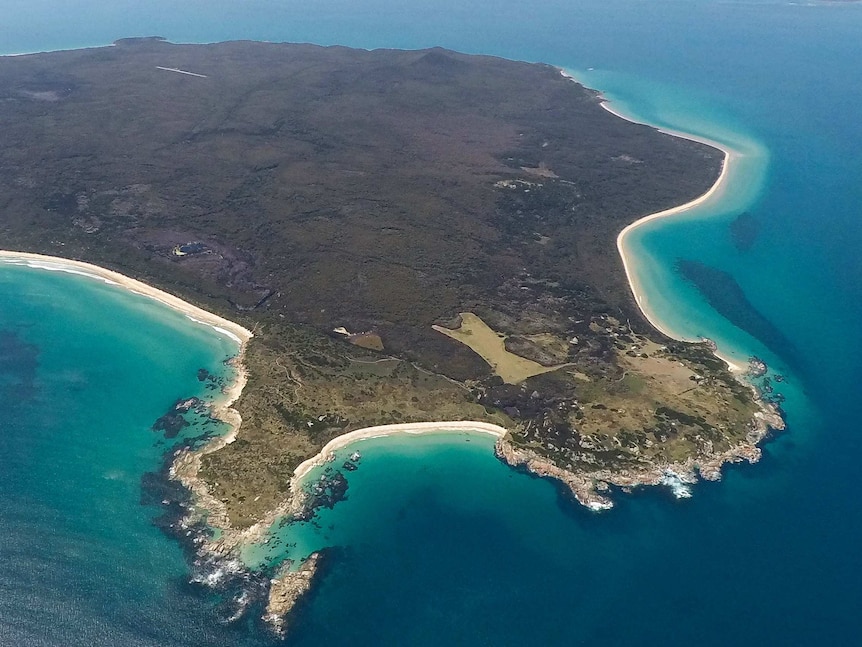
(437, 542)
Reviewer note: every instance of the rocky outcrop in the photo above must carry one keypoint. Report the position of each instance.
(286, 588)
(586, 485)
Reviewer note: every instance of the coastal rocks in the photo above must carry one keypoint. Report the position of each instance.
(352, 463)
(586, 485)
(173, 422)
(286, 588)
(239, 588)
(328, 490)
(187, 404)
(678, 483)
(756, 367)
(582, 487)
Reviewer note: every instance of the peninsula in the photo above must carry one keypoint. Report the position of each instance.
(400, 236)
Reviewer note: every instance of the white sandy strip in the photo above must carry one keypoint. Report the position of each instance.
(628, 258)
(54, 263)
(714, 193)
(178, 71)
(732, 364)
(382, 431)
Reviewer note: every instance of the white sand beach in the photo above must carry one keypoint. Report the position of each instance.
(382, 431)
(54, 263)
(629, 259)
(714, 193)
(186, 467)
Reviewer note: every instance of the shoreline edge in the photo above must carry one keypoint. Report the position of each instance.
(289, 585)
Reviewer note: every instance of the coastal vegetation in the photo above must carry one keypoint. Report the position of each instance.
(348, 207)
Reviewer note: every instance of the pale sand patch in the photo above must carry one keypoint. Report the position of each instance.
(732, 365)
(490, 346)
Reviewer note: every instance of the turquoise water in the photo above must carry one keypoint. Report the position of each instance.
(85, 371)
(437, 542)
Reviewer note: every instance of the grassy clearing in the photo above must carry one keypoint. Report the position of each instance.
(490, 346)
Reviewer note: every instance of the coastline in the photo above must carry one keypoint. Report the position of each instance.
(383, 431)
(221, 325)
(60, 49)
(588, 488)
(768, 416)
(187, 463)
(295, 503)
(715, 192)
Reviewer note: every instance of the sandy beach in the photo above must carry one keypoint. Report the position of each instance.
(231, 540)
(54, 263)
(187, 464)
(382, 431)
(714, 193)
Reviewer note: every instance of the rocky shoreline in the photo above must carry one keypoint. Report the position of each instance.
(219, 552)
(286, 589)
(204, 525)
(588, 487)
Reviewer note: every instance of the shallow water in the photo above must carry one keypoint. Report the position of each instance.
(86, 371)
(437, 542)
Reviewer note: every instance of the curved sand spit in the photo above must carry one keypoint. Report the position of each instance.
(714, 193)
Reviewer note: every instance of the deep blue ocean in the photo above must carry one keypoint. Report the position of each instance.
(437, 542)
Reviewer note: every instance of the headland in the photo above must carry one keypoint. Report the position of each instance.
(353, 208)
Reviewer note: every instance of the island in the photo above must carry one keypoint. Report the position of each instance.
(400, 237)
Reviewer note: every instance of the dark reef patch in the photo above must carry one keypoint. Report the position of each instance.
(744, 231)
(328, 490)
(18, 363)
(725, 295)
(174, 421)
